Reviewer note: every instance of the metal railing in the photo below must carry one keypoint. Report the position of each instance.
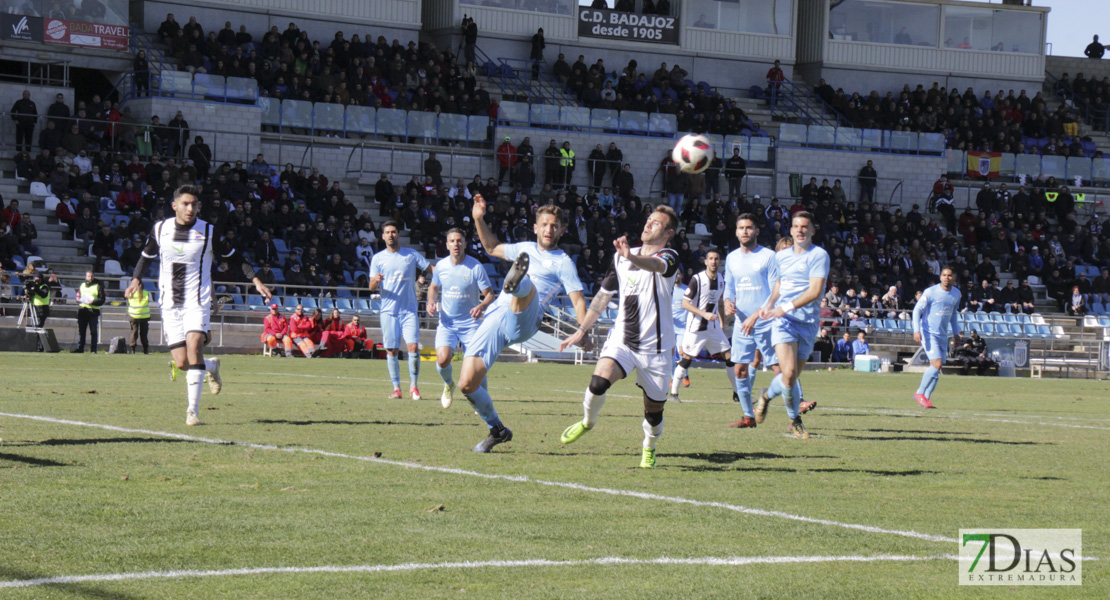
(789, 100)
(839, 137)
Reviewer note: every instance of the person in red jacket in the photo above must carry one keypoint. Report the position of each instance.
(301, 330)
(775, 76)
(275, 328)
(66, 212)
(506, 159)
(332, 335)
(355, 337)
(129, 199)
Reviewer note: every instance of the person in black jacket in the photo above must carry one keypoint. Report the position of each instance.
(537, 52)
(37, 291)
(25, 114)
(735, 170)
(201, 155)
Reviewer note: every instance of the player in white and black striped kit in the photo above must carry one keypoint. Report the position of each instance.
(185, 246)
(642, 335)
(703, 303)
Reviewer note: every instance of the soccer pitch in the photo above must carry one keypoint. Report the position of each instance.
(306, 482)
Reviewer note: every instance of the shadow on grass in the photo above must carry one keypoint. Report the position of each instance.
(731, 457)
(76, 589)
(31, 461)
(908, 431)
(930, 438)
(94, 441)
(728, 469)
(885, 473)
(342, 422)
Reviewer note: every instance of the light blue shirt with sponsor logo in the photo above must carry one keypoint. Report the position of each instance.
(795, 270)
(399, 270)
(937, 313)
(460, 287)
(749, 278)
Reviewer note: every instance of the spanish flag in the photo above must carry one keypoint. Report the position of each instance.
(984, 164)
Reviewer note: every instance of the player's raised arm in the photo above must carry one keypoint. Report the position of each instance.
(588, 316)
(493, 246)
(650, 263)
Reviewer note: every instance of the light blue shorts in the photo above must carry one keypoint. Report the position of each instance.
(502, 327)
(400, 326)
(744, 346)
(935, 347)
(785, 330)
(451, 333)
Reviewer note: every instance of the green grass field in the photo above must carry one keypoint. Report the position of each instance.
(387, 498)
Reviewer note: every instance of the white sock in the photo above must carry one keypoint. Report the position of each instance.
(209, 365)
(194, 379)
(679, 374)
(730, 372)
(651, 434)
(591, 407)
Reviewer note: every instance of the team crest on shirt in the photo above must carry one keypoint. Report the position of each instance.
(548, 263)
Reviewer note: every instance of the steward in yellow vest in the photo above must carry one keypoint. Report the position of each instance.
(566, 164)
(138, 313)
(90, 297)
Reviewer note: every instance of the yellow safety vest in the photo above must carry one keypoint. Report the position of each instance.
(38, 300)
(1051, 196)
(138, 305)
(88, 290)
(568, 157)
(1079, 198)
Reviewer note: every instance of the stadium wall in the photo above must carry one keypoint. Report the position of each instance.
(43, 95)
(343, 160)
(917, 172)
(231, 130)
(391, 18)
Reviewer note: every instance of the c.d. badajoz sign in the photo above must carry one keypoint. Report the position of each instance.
(614, 25)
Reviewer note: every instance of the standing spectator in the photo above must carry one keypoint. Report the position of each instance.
(1094, 50)
(735, 170)
(537, 52)
(25, 114)
(868, 180)
(551, 160)
(625, 181)
(201, 155)
(90, 297)
(595, 165)
(470, 37)
(434, 169)
(614, 159)
(566, 164)
(506, 160)
(59, 113)
(775, 77)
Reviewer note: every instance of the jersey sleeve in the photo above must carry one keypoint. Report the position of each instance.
(376, 265)
(692, 291)
(819, 267)
(482, 278)
(919, 311)
(421, 261)
(670, 257)
(149, 253)
(568, 274)
(730, 282)
(954, 326)
(512, 250)
(773, 272)
(435, 278)
(610, 284)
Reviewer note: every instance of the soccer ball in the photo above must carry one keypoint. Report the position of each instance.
(693, 153)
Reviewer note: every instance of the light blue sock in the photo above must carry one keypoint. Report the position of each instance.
(484, 405)
(927, 380)
(414, 367)
(485, 383)
(932, 384)
(793, 399)
(776, 387)
(445, 374)
(393, 365)
(524, 288)
(744, 391)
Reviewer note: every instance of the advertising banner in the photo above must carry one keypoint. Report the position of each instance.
(89, 35)
(21, 27)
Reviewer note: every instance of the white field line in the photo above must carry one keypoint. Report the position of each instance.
(709, 561)
(511, 478)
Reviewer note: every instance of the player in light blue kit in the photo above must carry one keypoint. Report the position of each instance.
(678, 314)
(803, 269)
(458, 282)
(539, 270)
(935, 317)
(750, 272)
(395, 270)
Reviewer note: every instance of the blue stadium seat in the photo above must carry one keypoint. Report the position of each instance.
(987, 329)
(362, 306)
(308, 302)
(254, 302)
(998, 318)
(1044, 331)
(1097, 309)
(327, 303)
(1030, 330)
(1104, 321)
(290, 302)
(343, 304)
(1010, 318)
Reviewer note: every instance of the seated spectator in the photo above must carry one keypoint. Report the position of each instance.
(275, 329)
(842, 352)
(1077, 304)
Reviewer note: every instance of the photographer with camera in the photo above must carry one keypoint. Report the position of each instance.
(37, 294)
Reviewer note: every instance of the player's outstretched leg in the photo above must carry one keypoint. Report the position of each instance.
(591, 407)
(515, 277)
(443, 367)
(194, 379)
(744, 381)
(393, 365)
